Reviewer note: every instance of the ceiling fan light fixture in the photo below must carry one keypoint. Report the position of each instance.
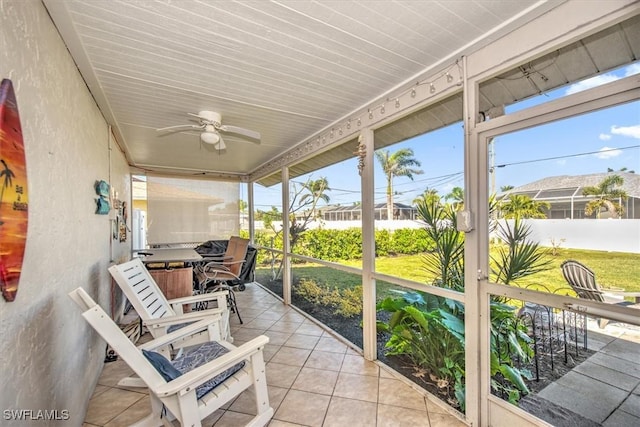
(210, 137)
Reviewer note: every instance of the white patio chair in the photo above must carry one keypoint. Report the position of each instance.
(160, 315)
(197, 383)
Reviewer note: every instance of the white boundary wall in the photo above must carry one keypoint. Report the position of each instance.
(612, 235)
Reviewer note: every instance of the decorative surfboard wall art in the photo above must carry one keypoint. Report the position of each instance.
(14, 203)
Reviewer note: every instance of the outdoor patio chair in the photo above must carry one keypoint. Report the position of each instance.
(217, 273)
(195, 384)
(583, 281)
(160, 315)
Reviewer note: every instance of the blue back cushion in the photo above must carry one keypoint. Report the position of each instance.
(201, 355)
(162, 365)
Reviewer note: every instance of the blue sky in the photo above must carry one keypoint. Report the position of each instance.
(612, 136)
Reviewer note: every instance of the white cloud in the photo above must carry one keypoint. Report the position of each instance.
(592, 82)
(632, 69)
(561, 162)
(630, 131)
(608, 153)
(604, 137)
(627, 71)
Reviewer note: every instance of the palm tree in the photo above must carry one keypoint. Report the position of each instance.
(430, 196)
(607, 197)
(457, 196)
(396, 164)
(8, 180)
(316, 190)
(522, 206)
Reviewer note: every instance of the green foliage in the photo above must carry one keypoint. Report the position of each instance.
(607, 197)
(309, 290)
(267, 239)
(267, 217)
(331, 245)
(345, 302)
(522, 206)
(424, 328)
(342, 245)
(446, 261)
(517, 256)
(408, 241)
(430, 331)
(509, 343)
(383, 242)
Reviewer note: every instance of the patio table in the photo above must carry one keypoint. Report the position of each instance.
(167, 256)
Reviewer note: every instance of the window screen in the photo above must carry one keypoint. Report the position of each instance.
(183, 210)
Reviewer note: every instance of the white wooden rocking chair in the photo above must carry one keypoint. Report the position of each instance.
(158, 314)
(203, 382)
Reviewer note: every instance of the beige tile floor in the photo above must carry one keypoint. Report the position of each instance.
(314, 379)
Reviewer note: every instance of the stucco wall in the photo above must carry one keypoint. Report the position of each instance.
(50, 358)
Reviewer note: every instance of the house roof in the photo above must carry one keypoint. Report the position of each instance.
(357, 208)
(565, 186)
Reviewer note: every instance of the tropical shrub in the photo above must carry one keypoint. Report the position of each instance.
(344, 302)
(410, 241)
(446, 260)
(331, 245)
(343, 245)
(430, 330)
(425, 328)
(510, 350)
(517, 256)
(383, 242)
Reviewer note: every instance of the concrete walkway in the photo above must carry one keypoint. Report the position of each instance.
(606, 387)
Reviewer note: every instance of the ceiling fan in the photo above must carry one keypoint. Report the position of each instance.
(211, 126)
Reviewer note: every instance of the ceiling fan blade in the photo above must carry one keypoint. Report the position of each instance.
(179, 128)
(240, 131)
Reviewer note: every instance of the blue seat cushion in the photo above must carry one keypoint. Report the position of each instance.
(162, 365)
(201, 355)
(178, 326)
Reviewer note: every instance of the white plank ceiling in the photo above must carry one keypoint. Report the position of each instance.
(287, 69)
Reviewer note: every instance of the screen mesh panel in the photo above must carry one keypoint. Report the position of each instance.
(183, 210)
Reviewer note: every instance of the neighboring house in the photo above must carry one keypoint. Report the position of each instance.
(564, 194)
(354, 212)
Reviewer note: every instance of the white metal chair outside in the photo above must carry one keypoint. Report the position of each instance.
(188, 397)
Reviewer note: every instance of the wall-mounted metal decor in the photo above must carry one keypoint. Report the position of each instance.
(102, 202)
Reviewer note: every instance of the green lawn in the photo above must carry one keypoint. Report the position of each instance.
(612, 269)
